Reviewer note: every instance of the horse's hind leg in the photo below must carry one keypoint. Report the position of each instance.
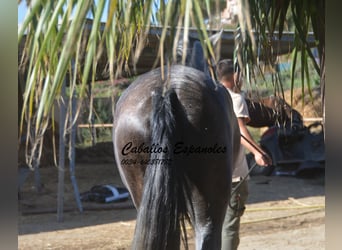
(208, 225)
(209, 208)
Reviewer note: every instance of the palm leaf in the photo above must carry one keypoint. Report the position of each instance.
(270, 17)
(58, 43)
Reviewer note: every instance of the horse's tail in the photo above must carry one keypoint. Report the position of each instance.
(163, 209)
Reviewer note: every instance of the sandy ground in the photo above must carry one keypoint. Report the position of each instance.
(282, 213)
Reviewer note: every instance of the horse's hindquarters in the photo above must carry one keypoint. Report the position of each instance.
(196, 134)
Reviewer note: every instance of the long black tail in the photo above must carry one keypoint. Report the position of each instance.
(163, 209)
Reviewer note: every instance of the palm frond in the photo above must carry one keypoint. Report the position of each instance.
(267, 20)
(62, 46)
(65, 42)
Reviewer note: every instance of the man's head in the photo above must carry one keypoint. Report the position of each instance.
(229, 75)
(225, 70)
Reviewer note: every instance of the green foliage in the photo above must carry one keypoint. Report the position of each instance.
(103, 94)
(267, 20)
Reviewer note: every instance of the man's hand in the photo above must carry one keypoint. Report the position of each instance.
(262, 159)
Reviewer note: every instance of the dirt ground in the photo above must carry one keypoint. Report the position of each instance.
(282, 213)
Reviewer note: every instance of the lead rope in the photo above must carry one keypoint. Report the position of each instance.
(244, 178)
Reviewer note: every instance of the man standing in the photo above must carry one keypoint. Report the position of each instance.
(236, 207)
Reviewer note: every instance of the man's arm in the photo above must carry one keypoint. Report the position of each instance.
(261, 157)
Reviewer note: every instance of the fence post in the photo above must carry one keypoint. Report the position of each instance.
(61, 159)
(73, 154)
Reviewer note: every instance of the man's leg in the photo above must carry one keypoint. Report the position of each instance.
(231, 224)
